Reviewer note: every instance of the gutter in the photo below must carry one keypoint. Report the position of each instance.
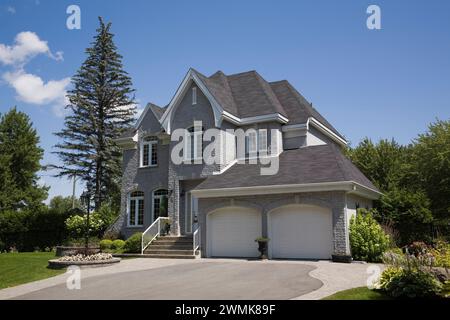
(347, 186)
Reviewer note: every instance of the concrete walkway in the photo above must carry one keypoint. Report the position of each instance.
(201, 279)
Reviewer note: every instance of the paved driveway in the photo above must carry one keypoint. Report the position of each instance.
(198, 280)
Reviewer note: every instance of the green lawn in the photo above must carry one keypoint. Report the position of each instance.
(18, 268)
(361, 293)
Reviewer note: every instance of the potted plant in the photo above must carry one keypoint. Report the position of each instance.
(167, 226)
(262, 247)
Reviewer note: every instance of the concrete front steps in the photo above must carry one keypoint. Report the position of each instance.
(171, 247)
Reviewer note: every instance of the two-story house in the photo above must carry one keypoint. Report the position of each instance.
(304, 207)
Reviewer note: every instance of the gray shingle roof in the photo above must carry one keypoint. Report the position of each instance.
(158, 111)
(297, 107)
(314, 164)
(247, 94)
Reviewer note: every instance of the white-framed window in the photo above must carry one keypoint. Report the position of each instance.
(251, 143)
(262, 141)
(193, 149)
(136, 209)
(160, 203)
(256, 143)
(194, 95)
(149, 152)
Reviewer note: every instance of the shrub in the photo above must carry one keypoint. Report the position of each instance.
(77, 224)
(118, 244)
(441, 253)
(446, 290)
(105, 244)
(133, 243)
(410, 284)
(387, 276)
(367, 239)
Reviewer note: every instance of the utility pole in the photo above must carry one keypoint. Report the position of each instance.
(74, 177)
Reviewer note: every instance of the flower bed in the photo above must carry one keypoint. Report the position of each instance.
(83, 260)
(82, 257)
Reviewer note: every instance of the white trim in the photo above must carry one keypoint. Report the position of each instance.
(256, 119)
(325, 130)
(228, 166)
(348, 186)
(152, 144)
(190, 76)
(136, 211)
(138, 123)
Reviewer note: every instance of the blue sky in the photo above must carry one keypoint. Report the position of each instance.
(378, 83)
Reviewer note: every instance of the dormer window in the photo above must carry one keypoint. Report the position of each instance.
(194, 95)
(149, 152)
(256, 143)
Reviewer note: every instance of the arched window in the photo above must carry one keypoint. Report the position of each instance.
(159, 203)
(136, 208)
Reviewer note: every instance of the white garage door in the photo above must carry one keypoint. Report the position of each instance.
(301, 232)
(232, 231)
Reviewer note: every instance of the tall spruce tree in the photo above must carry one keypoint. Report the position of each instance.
(102, 108)
(19, 162)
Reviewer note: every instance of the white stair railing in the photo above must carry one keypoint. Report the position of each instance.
(152, 232)
(196, 237)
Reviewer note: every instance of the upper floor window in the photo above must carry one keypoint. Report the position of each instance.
(194, 147)
(159, 203)
(149, 152)
(256, 142)
(194, 95)
(136, 209)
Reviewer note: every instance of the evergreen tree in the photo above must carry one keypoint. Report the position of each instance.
(19, 163)
(102, 108)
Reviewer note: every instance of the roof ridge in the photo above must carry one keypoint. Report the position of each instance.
(270, 94)
(240, 73)
(338, 155)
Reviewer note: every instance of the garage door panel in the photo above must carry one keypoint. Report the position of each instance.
(232, 232)
(303, 232)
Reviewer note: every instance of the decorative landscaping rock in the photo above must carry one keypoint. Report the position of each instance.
(98, 259)
(62, 251)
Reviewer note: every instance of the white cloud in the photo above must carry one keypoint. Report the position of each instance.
(26, 45)
(32, 89)
(11, 10)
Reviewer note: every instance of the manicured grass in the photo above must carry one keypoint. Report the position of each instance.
(19, 268)
(361, 293)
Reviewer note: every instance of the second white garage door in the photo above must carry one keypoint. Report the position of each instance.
(301, 232)
(231, 232)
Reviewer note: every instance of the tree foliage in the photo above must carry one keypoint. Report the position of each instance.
(414, 179)
(20, 155)
(102, 108)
